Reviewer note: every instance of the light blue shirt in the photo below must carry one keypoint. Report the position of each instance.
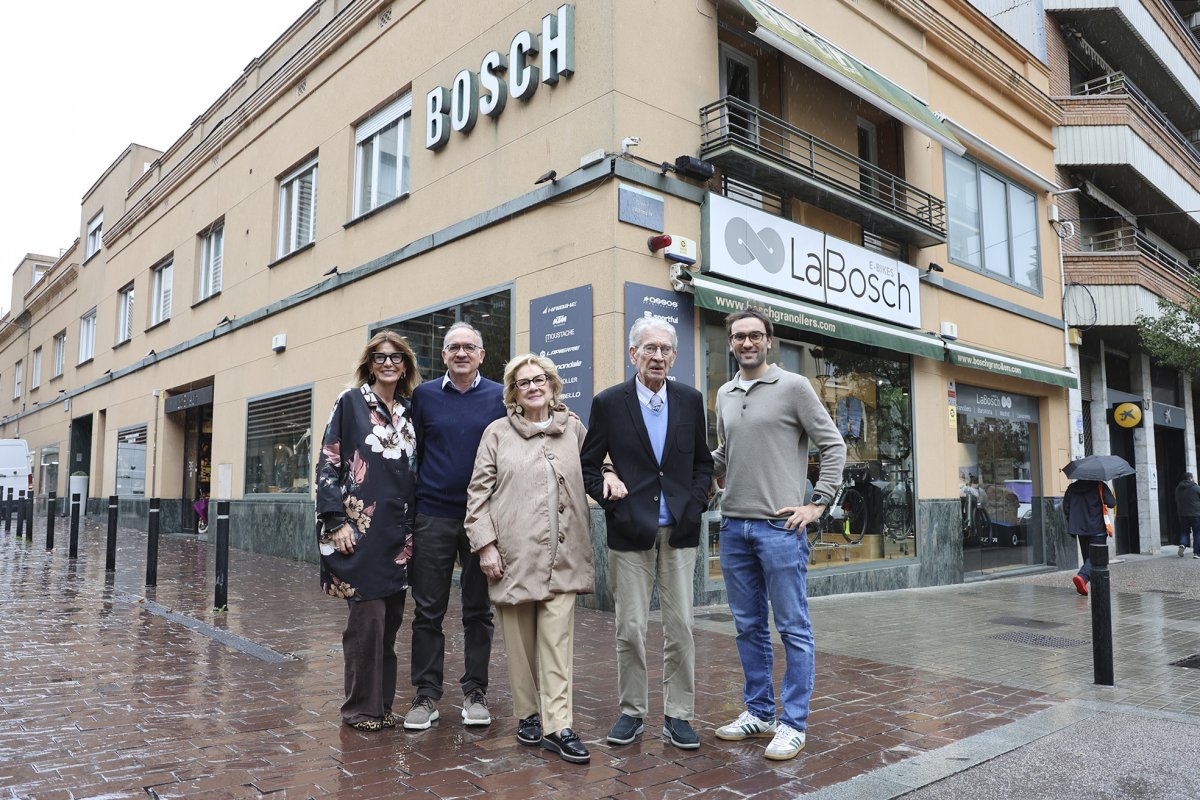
(656, 426)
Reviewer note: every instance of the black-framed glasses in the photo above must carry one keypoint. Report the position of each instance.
(467, 348)
(651, 349)
(754, 336)
(536, 380)
(380, 358)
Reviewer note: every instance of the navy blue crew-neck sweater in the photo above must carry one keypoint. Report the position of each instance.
(449, 425)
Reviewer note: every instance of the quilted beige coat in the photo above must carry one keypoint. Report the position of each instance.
(527, 496)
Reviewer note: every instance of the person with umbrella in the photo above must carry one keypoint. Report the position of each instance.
(1086, 504)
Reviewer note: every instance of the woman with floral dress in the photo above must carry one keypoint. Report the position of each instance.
(366, 483)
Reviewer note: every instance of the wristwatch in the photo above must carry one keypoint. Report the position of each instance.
(818, 499)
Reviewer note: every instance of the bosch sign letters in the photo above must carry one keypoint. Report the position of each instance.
(458, 108)
(749, 245)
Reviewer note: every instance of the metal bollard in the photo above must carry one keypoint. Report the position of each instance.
(51, 508)
(29, 517)
(110, 554)
(152, 543)
(20, 513)
(1102, 655)
(73, 552)
(8, 505)
(221, 594)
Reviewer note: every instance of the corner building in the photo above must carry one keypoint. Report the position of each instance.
(874, 174)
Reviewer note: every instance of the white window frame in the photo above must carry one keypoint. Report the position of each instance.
(35, 374)
(291, 236)
(95, 234)
(161, 278)
(18, 374)
(87, 336)
(60, 353)
(125, 299)
(212, 259)
(368, 194)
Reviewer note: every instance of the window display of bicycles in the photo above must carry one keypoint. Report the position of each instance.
(845, 518)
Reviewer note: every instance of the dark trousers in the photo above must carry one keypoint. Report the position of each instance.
(1189, 528)
(437, 541)
(1085, 547)
(369, 649)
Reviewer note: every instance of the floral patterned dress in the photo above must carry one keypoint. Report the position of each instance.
(367, 476)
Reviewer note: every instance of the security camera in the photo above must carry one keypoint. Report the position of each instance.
(630, 141)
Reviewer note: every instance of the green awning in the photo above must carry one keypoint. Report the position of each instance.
(818, 53)
(976, 358)
(723, 296)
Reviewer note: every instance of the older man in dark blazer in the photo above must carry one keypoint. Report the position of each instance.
(646, 461)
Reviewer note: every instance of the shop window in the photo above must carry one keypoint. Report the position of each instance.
(381, 173)
(131, 461)
(491, 315)
(48, 471)
(278, 443)
(867, 393)
(993, 224)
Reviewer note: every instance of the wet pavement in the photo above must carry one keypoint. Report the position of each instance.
(115, 690)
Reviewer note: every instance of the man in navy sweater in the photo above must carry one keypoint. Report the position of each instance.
(449, 415)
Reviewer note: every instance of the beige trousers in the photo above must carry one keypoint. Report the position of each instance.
(539, 639)
(633, 573)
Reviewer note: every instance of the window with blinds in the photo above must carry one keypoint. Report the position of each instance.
(131, 460)
(212, 255)
(160, 299)
(125, 314)
(381, 174)
(279, 443)
(297, 208)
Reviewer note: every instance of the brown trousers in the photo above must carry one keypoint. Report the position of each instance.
(369, 649)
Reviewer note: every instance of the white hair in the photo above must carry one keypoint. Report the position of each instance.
(642, 324)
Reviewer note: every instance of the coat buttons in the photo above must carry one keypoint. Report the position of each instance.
(549, 456)
(561, 508)
(562, 537)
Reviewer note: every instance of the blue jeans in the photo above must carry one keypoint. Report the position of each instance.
(761, 561)
(1189, 529)
(1085, 548)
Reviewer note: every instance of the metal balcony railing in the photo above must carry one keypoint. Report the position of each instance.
(1118, 83)
(1125, 241)
(739, 133)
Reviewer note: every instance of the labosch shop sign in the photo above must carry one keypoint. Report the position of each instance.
(752, 246)
(500, 75)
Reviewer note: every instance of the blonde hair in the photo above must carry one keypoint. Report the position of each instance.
(412, 375)
(510, 379)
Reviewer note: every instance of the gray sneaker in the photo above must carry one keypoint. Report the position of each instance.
(422, 714)
(475, 710)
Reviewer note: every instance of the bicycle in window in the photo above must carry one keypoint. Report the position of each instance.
(975, 521)
(845, 518)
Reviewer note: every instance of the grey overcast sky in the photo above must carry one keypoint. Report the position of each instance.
(84, 79)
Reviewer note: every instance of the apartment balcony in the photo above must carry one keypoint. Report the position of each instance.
(1146, 39)
(1125, 272)
(1117, 138)
(776, 155)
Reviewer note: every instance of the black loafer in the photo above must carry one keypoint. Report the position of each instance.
(529, 731)
(679, 733)
(626, 730)
(567, 745)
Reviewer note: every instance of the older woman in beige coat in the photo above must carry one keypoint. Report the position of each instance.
(527, 517)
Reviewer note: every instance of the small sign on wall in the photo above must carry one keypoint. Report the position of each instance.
(641, 208)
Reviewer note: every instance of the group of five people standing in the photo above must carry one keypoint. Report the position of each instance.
(505, 471)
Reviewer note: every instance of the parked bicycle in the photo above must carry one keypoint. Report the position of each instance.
(898, 510)
(975, 521)
(845, 517)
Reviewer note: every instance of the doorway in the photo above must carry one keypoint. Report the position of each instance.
(197, 467)
(81, 447)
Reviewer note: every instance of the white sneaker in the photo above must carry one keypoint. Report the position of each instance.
(788, 743)
(746, 726)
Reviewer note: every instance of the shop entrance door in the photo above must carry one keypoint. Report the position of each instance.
(1169, 455)
(197, 467)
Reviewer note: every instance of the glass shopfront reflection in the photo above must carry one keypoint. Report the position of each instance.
(999, 474)
(868, 394)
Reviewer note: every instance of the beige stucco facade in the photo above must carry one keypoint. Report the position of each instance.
(472, 223)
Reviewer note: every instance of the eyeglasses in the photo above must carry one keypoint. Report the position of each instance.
(651, 349)
(536, 380)
(395, 358)
(466, 348)
(754, 336)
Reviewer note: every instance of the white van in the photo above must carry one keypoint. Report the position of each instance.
(15, 470)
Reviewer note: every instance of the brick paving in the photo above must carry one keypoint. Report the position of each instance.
(104, 699)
